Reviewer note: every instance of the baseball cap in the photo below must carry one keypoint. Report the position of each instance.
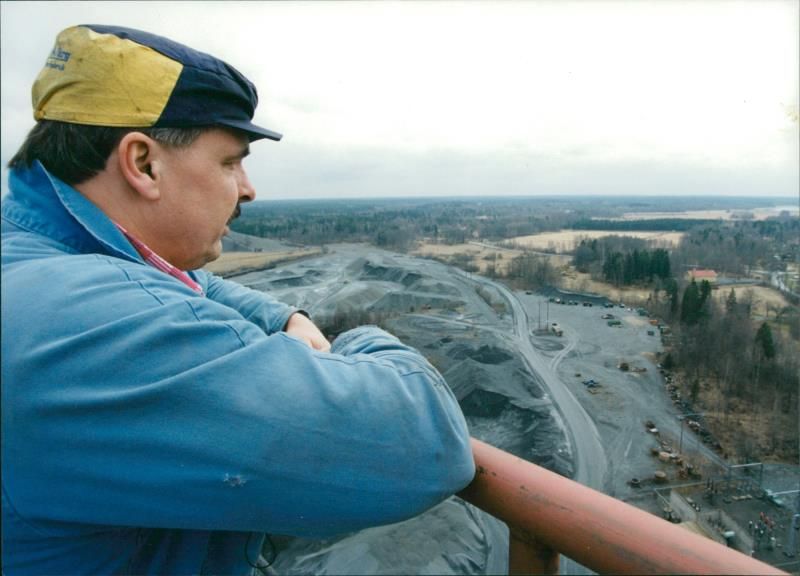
(121, 77)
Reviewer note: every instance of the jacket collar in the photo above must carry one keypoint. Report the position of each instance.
(41, 203)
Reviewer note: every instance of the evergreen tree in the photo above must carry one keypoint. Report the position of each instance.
(642, 266)
(705, 292)
(584, 256)
(659, 263)
(632, 266)
(627, 269)
(730, 302)
(764, 342)
(690, 304)
(694, 390)
(672, 291)
(613, 268)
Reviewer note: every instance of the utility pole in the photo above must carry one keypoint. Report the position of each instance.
(790, 549)
(540, 316)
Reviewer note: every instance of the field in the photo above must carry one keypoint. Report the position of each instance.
(232, 263)
(566, 240)
(754, 214)
(766, 300)
(481, 255)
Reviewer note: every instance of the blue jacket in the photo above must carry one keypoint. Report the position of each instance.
(148, 429)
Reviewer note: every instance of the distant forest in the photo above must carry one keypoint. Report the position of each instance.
(651, 224)
(395, 223)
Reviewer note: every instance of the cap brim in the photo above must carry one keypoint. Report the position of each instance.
(253, 131)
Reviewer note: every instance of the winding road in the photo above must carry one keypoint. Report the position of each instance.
(589, 456)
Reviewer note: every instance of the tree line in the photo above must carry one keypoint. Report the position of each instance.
(622, 261)
(734, 365)
(736, 248)
(650, 225)
(730, 248)
(395, 224)
(636, 267)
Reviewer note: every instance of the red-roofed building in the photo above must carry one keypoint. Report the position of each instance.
(700, 274)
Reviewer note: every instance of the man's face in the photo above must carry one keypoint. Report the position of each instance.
(201, 188)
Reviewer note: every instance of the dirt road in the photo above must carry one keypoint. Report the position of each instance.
(589, 456)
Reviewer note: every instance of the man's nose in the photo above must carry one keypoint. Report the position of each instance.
(247, 193)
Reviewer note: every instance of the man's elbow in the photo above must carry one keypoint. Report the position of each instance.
(461, 467)
(452, 470)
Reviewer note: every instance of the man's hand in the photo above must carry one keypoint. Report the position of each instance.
(301, 327)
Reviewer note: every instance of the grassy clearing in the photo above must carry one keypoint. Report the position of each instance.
(743, 432)
(566, 240)
(481, 256)
(766, 300)
(231, 263)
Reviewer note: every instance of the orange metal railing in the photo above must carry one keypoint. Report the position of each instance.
(548, 514)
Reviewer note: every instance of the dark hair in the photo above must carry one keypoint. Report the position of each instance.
(76, 152)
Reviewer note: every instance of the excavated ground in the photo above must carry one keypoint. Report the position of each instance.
(465, 326)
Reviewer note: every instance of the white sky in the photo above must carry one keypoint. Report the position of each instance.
(531, 97)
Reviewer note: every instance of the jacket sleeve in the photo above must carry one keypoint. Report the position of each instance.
(189, 415)
(259, 308)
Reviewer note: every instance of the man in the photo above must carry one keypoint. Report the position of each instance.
(158, 419)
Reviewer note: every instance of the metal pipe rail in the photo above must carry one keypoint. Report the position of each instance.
(548, 514)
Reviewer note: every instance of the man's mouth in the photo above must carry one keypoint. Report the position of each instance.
(236, 213)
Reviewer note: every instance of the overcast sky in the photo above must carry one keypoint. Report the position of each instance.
(658, 97)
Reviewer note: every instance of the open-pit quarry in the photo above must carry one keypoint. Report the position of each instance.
(574, 387)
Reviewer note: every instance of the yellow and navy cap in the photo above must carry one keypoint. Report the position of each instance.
(120, 77)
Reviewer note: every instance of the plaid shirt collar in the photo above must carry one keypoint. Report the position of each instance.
(158, 262)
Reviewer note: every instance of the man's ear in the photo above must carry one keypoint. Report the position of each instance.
(137, 155)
